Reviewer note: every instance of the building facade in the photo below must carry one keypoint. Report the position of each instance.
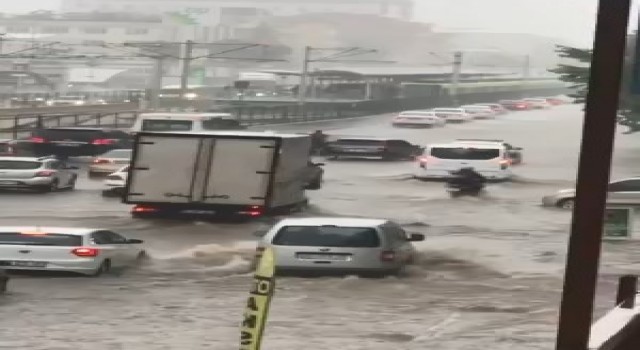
(214, 9)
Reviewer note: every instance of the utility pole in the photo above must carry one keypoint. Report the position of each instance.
(186, 68)
(156, 83)
(526, 74)
(455, 75)
(302, 89)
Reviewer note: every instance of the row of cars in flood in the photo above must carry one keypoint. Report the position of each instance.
(438, 117)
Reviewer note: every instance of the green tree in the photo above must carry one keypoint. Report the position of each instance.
(578, 75)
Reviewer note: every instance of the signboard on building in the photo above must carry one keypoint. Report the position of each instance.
(618, 223)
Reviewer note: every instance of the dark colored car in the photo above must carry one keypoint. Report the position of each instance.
(515, 105)
(388, 149)
(7, 148)
(74, 141)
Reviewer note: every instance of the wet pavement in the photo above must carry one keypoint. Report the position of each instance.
(490, 271)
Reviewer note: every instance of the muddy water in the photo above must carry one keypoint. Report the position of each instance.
(489, 273)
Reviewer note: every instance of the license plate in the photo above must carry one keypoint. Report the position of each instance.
(27, 263)
(332, 257)
(358, 150)
(68, 144)
(198, 212)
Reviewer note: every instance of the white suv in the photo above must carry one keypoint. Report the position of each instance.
(46, 174)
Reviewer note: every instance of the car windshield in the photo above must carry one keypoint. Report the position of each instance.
(19, 165)
(166, 125)
(47, 239)
(467, 153)
(118, 153)
(327, 236)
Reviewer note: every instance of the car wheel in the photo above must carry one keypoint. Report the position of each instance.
(142, 258)
(52, 187)
(72, 183)
(568, 203)
(105, 267)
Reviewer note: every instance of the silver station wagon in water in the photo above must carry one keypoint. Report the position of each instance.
(340, 245)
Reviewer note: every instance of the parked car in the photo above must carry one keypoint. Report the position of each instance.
(515, 105)
(496, 107)
(115, 182)
(513, 153)
(67, 101)
(46, 174)
(339, 245)
(421, 119)
(479, 112)
(74, 141)
(362, 147)
(453, 115)
(625, 191)
(110, 162)
(84, 251)
(538, 103)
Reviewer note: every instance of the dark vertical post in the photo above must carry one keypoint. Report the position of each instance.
(598, 134)
(627, 290)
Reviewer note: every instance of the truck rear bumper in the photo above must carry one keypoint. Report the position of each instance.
(212, 211)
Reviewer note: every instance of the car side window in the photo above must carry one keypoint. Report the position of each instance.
(625, 186)
(55, 165)
(115, 238)
(395, 232)
(99, 237)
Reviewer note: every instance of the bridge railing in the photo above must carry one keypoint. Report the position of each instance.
(619, 329)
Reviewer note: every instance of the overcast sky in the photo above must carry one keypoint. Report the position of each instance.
(571, 20)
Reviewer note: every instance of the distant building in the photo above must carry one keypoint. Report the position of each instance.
(213, 9)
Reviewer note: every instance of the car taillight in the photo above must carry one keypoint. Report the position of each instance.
(254, 210)
(388, 256)
(44, 173)
(103, 142)
(101, 161)
(423, 161)
(143, 209)
(85, 252)
(37, 139)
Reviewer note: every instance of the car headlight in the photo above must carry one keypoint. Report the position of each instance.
(190, 96)
(79, 103)
(49, 103)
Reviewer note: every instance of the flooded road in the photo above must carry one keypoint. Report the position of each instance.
(490, 271)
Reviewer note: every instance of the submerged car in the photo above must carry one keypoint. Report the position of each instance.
(84, 251)
(625, 191)
(339, 245)
(418, 119)
(361, 147)
(45, 174)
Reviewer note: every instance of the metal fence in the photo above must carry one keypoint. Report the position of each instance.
(19, 123)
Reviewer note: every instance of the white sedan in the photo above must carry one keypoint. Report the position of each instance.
(85, 251)
(424, 119)
(115, 182)
(453, 115)
(479, 111)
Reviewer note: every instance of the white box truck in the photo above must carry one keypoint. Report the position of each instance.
(225, 173)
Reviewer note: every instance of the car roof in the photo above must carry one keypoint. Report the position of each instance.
(74, 231)
(25, 159)
(333, 221)
(488, 145)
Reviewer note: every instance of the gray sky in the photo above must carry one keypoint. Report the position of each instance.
(572, 20)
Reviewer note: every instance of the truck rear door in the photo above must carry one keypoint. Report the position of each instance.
(240, 171)
(157, 176)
